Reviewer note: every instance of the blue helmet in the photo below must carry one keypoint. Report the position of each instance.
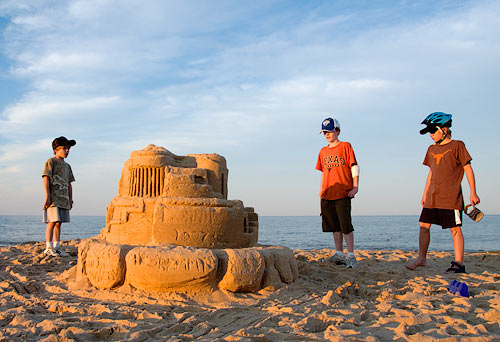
(436, 119)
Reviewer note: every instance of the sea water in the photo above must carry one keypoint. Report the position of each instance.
(296, 232)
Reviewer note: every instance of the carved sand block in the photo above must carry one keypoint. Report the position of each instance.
(172, 228)
(170, 267)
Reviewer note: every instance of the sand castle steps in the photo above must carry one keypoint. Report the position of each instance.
(174, 268)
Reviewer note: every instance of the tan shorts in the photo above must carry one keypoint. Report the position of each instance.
(55, 214)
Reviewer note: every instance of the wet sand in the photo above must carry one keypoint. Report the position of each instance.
(380, 300)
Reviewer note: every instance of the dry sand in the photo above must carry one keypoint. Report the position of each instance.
(380, 300)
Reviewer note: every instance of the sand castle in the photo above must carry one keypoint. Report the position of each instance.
(172, 228)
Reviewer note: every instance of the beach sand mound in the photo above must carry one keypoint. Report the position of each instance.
(380, 300)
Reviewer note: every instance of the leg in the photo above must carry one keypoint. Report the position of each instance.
(343, 209)
(339, 242)
(57, 231)
(424, 239)
(330, 222)
(49, 231)
(458, 244)
(349, 240)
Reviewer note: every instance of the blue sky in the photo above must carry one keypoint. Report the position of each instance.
(252, 82)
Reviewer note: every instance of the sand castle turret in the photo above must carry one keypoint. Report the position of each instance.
(164, 198)
(172, 228)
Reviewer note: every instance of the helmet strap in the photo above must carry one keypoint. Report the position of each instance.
(445, 135)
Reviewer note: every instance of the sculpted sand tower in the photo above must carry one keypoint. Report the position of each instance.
(169, 199)
(171, 228)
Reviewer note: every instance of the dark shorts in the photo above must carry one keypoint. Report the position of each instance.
(446, 218)
(336, 215)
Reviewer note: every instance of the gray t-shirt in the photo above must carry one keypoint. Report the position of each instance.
(61, 176)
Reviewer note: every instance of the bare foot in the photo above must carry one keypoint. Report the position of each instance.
(416, 263)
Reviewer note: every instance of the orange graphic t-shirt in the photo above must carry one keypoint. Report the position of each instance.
(447, 165)
(335, 164)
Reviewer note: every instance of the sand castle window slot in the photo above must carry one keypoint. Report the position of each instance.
(146, 181)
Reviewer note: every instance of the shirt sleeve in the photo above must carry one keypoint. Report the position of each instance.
(352, 158)
(426, 158)
(463, 155)
(48, 168)
(319, 164)
(71, 177)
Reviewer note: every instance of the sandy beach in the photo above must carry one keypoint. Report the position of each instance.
(380, 300)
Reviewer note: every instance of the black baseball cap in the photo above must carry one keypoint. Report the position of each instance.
(62, 141)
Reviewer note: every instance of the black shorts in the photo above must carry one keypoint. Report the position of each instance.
(446, 218)
(336, 215)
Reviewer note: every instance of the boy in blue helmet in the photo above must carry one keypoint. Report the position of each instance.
(442, 201)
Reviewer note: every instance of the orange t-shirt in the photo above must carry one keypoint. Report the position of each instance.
(335, 164)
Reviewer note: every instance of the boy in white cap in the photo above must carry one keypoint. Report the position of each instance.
(57, 177)
(339, 184)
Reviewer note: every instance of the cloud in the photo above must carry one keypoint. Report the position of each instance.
(55, 62)
(21, 151)
(36, 108)
(13, 169)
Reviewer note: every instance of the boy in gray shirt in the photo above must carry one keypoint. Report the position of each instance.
(57, 177)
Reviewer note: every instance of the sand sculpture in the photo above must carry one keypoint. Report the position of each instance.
(172, 228)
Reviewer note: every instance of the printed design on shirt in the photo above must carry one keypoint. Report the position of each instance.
(331, 161)
(439, 156)
(60, 187)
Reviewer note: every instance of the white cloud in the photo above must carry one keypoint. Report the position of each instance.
(13, 169)
(22, 151)
(55, 62)
(35, 108)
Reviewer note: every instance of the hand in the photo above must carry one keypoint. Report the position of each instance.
(353, 192)
(423, 199)
(474, 199)
(47, 203)
(70, 204)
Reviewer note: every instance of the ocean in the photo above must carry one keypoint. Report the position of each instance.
(296, 232)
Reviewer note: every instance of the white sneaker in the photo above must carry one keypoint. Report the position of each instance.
(49, 251)
(351, 262)
(337, 259)
(60, 252)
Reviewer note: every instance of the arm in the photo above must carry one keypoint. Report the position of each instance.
(355, 181)
(469, 173)
(354, 190)
(427, 185)
(46, 188)
(70, 189)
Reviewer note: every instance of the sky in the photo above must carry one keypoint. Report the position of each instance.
(251, 81)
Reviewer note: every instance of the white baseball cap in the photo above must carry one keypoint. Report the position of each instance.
(329, 125)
